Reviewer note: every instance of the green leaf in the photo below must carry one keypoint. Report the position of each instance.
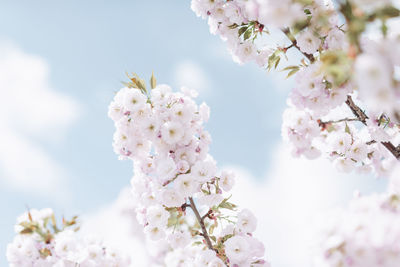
(347, 129)
(129, 85)
(211, 229)
(301, 25)
(241, 31)
(389, 12)
(233, 26)
(247, 34)
(205, 191)
(292, 72)
(291, 68)
(173, 219)
(227, 237)
(277, 62)
(153, 81)
(330, 128)
(271, 60)
(227, 205)
(136, 82)
(141, 84)
(26, 231)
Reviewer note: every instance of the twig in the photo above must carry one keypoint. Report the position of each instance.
(207, 215)
(362, 117)
(201, 222)
(293, 40)
(358, 112)
(324, 123)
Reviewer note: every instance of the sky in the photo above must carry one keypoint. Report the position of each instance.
(61, 63)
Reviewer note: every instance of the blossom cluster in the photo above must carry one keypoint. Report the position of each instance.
(343, 72)
(245, 25)
(162, 132)
(366, 234)
(39, 242)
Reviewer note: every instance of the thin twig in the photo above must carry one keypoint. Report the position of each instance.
(324, 123)
(201, 222)
(293, 40)
(207, 215)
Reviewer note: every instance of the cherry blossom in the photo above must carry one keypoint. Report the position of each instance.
(40, 242)
(343, 71)
(179, 193)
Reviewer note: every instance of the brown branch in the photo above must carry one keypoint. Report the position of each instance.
(184, 206)
(293, 40)
(207, 215)
(324, 123)
(201, 222)
(362, 117)
(394, 150)
(358, 112)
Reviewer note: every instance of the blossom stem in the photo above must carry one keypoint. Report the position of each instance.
(362, 117)
(201, 222)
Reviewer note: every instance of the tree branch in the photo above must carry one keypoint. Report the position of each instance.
(394, 150)
(324, 123)
(358, 112)
(362, 117)
(293, 40)
(201, 222)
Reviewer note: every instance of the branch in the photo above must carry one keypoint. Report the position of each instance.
(324, 123)
(201, 222)
(358, 112)
(293, 40)
(394, 150)
(207, 215)
(362, 117)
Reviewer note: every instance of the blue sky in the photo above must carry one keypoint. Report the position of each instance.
(88, 46)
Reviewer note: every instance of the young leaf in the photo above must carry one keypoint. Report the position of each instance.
(241, 31)
(247, 34)
(153, 81)
(277, 62)
(292, 72)
(347, 129)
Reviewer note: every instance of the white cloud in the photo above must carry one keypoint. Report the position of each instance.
(290, 197)
(117, 227)
(190, 74)
(30, 110)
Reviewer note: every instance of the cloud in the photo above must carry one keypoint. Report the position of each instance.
(190, 74)
(30, 111)
(290, 197)
(117, 227)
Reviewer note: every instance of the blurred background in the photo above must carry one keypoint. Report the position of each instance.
(61, 63)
